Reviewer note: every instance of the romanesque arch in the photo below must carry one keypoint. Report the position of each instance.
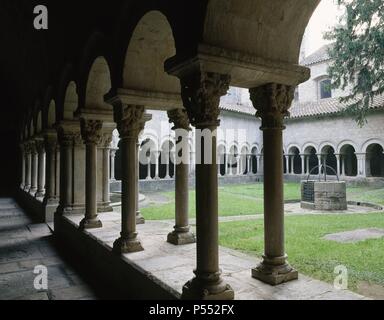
(348, 160)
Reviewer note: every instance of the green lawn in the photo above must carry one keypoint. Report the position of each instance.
(236, 200)
(311, 254)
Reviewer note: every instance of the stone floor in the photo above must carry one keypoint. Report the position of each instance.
(25, 245)
(174, 265)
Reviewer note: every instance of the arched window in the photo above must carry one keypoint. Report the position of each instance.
(325, 89)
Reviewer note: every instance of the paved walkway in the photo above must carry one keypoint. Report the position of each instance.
(25, 245)
(173, 265)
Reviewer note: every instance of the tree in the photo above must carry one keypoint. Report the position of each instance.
(358, 54)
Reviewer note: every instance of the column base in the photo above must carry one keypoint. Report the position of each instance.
(123, 246)
(39, 194)
(90, 224)
(181, 238)
(207, 287)
(139, 218)
(32, 192)
(275, 271)
(104, 207)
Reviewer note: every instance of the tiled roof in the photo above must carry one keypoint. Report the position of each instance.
(326, 107)
(318, 56)
(239, 108)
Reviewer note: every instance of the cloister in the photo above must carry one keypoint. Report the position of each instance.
(85, 124)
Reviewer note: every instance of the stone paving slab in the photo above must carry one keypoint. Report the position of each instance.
(354, 236)
(23, 246)
(174, 265)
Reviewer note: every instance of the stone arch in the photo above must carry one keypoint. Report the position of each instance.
(348, 159)
(375, 160)
(347, 142)
(295, 164)
(328, 158)
(369, 142)
(49, 109)
(311, 160)
(67, 97)
(150, 45)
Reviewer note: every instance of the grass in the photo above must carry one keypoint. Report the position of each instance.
(311, 254)
(237, 200)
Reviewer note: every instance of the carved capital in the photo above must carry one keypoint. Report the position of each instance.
(272, 102)
(65, 138)
(91, 131)
(132, 121)
(106, 141)
(40, 146)
(32, 147)
(179, 117)
(50, 144)
(201, 93)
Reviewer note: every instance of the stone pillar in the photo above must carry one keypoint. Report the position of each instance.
(339, 157)
(50, 148)
(193, 162)
(287, 164)
(308, 169)
(91, 132)
(319, 162)
(182, 231)
(149, 177)
(79, 172)
(302, 164)
(201, 94)
(129, 126)
(157, 167)
(258, 159)
(139, 217)
(28, 166)
(272, 102)
(35, 168)
(57, 173)
(66, 141)
(23, 164)
(249, 164)
(40, 147)
(112, 162)
(168, 162)
(292, 158)
(239, 165)
(361, 164)
(104, 200)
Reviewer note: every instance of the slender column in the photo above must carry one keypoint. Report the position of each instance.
(129, 126)
(272, 102)
(23, 164)
(104, 148)
(28, 167)
(258, 159)
(57, 173)
(149, 168)
(339, 158)
(139, 217)
(91, 132)
(201, 94)
(361, 164)
(66, 141)
(292, 159)
(157, 155)
(40, 147)
(227, 166)
(168, 162)
(302, 163)
(182, 231)
(307, 169)
(50, 148)
(287, 164)
(193, 162)
(249, 164)
(320, 162)
(35, 164)
(113, 159)
(239, 165)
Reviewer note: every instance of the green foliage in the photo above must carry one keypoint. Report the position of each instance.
(358, 54)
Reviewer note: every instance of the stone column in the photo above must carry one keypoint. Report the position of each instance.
(302, 164)
(40, 147)
(91, 132)
(66, 141)
(182, 231)
(57, 172)
(193, 162)
(23, 164)
(35, 168)
(168, 162)
(361, 164)
(292, 159)
(149, 168)
(238, 161)
(319, 162)
(249, 164)
(28, 167)
(258, 159)
(50, 148)
(139, 217)
(79, 172)
(308, 169)
(129, 126)
(157, 155)
(339, 157)
(104, 186)
(272, 102)
(112, 162)
(201, 93)
(287, 163)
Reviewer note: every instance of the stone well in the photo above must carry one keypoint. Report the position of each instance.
(324, 195)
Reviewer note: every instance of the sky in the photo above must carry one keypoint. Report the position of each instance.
(325, 17)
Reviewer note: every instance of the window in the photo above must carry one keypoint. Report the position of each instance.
(325, 89)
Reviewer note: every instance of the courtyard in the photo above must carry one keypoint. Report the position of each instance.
(241, 229)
